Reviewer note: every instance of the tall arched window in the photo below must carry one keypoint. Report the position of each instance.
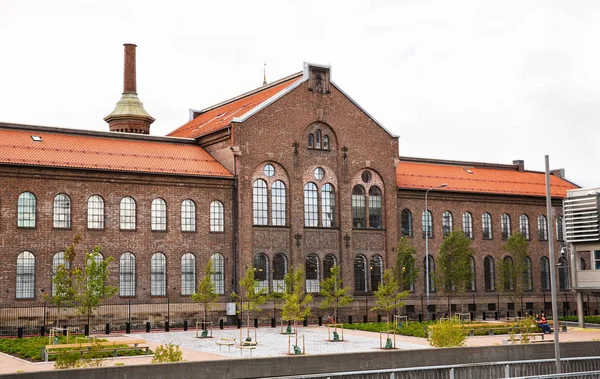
(26, 210)
(431, 273)
(527, 272)
(158, 271)
(486, 226)
(259, 202)
(188, 216)
(426, 221)
(278, 201)
(217, 217)
(376, 272)
(542, 228)
(359, 212)
(280, 268)
(159, 214)
(375, 208)
(563, 274)
(489, 273)
(360, 273)
(473, 284)
(467, 222)
(447, 223)
(311, 141)
(57, 260)
(127, 213)
(328, 206)
(545, 273)
(127, 275)
(95, 212)
(524, 225)
(218, 273)
(406, 221)
(559, 228)
(261, 272)
(328, 263)
(509, 273)
(311, 209)
(312, 273)
(325, 142)
(25, 275)
(62, 211)
(318, 139)
(505, 224)
(188, 274)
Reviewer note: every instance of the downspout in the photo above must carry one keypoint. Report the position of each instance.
(234, 216)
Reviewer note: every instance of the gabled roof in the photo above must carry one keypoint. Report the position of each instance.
(54, 147)
(412, 173)
(219, 116)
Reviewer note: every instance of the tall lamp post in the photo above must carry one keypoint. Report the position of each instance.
(427, 230)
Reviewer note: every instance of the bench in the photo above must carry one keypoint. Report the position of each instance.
(532, 337)
(82, 348)
(224, 341)
(246, 347)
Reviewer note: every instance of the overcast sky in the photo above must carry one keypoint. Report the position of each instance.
(487, 81)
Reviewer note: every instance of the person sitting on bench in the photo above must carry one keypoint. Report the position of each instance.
(543, 323)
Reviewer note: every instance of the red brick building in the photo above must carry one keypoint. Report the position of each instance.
(294, 173)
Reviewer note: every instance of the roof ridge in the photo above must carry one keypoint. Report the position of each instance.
(450, 162)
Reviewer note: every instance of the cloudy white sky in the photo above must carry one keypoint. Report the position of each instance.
(488, 81)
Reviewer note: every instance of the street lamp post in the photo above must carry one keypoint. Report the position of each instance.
(427, 229)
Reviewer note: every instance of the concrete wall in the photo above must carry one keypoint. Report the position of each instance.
(299, 365)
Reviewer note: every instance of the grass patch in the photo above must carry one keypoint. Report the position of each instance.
(414, 329)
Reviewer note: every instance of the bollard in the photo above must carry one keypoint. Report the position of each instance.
(221, 324)
(420, 317)
(484, 315)
(65, 330)
(596, 312)
(320, 320)
(185, 325)
(127, 328)
(148, 327)
(433, 316)
(20, 332)
(471, 333)
(350, 319)
(272, 322)
(239, 323)
(107, 329)
(491, 332)
(507, 314)
(305, 322)
(166, 326)
(520, 314)
(472, 316)
(378, 318)
(86, 330)
(365, 319)
(42, 331)
(496, 315)
(256, 323)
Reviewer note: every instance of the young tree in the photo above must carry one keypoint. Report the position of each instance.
(454, 263)
(405, 268)
(296, 302)
(250, 297)
(514, 272)
(205, 294)
(334, 293)
(63, 292)
(389, 295)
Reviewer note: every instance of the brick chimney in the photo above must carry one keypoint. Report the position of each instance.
(519, 165)
(129, 116)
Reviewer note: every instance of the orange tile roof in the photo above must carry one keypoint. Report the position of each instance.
(497, 180)
(102, 151)
(219, 117)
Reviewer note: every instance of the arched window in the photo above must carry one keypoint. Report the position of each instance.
(360, 273)
(375, 208)
(188, 274)
(218, 273)
(280, 268)
(524, 225)
(473, 284)
(311, 209)
(158, 270)
(188, 216)
(431, 273)
(486, 226)
(217, 217)
(447, 223)
(95, 212)
(259, 202)
(427, 224)
(26, 210)
(489, 273)
(542, 228)
(359, 212)
(311, 141)
(563, 274)
(325, 142)
(25, 275)
(127, 213)
(467, 222)
(328, 263)
(527, 272)
(318, 139)
(545, 273)
(509, 273)
(376, 272)
(261, 272)
(505, 224)
(127, 275)
(328, 206)
(159, 214)
(62, 211)
(278, 201)
(312, 273)
(559, 228)
(57, 260)
(406, 221)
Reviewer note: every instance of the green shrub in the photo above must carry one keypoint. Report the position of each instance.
(588, 319)
(414, 328)
(447, 334)
(66, 359)
(167, 353)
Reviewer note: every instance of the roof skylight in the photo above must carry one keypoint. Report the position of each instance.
(36, 138)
